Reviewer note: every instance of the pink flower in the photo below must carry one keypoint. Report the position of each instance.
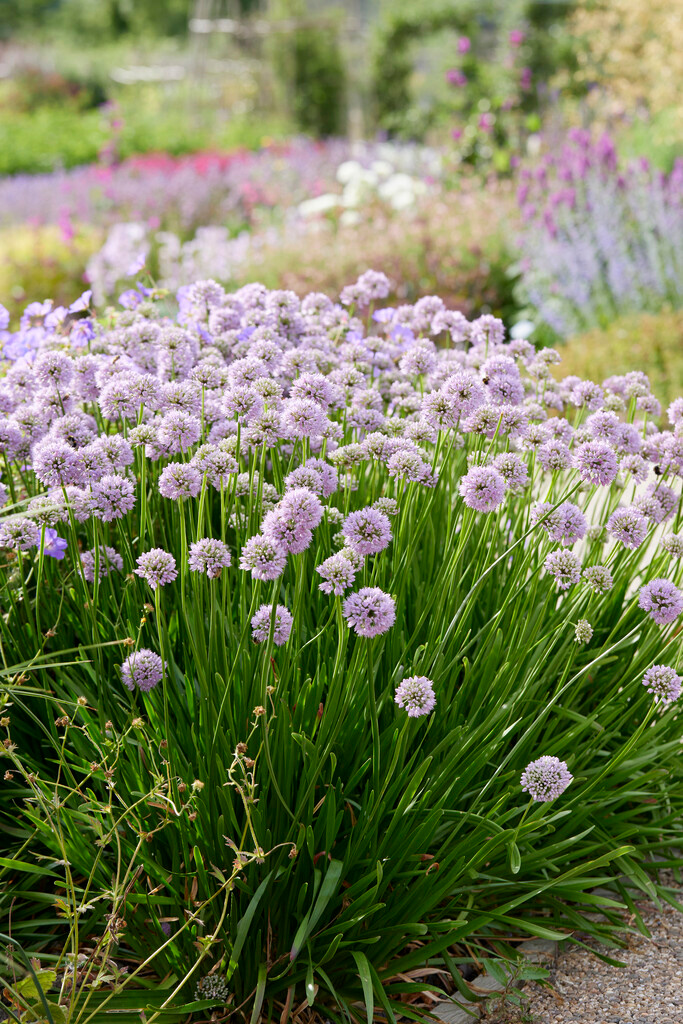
(464, 44)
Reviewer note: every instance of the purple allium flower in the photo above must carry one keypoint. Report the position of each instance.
(628, 525)
(659, 503)
(554, 455)
(54, 546)
(565, 566)
(305, 476)
(210, 556)
(482, 488)
(368, 531)
(545, 779)
(179, 430)
(416, 695)
(157, 567)
(264, 557)
(675, 411)
(587, 393)
(54, 369)
(302, 417)
(663, 682)
(596, 462)
(112, 497)
(566, 525)
(180, 480)
(291, 522)
(316, 388)
(55, 462)
(19, 533)
(261, 624)
(598, 578)
(142, 669)
(634, 466)
(466, 392)
(338, 574)
(109, 561)
(370, 611)
(513, 469)
(662, 599)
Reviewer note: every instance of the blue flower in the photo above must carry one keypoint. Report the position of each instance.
(54, 546)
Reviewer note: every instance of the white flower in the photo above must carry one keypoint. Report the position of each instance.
(319, 204)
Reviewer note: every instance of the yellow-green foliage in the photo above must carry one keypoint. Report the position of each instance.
(652, 342)
(633, 49)
(40, 262)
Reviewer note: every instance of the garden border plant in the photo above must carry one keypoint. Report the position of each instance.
(300, 599)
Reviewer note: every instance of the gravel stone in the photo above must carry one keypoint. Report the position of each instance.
(584, 990)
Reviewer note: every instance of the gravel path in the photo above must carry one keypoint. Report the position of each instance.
(649, 990)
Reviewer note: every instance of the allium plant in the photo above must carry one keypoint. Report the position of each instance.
(299, 599)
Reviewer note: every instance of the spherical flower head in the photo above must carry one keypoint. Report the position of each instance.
(387, 505)
(673, 543)
(19, 533)
(370, 611)
(565, 566)
(338, 574)
(109, 561)
(483, 488)
(55, 462)
(662, 599)
(416, 695)
(262, 620)
(315, 387)
(596, 462)
(368, 531)
(264, 557)
(142, 669)
(465, 391)
(180, 480)
(663, 682)
(179, 430)
(302, 505)
(554, 455)
(598, 578)
(675, 412)
(112, 497)
(210, 556)
(302, 417)
(545, 779)
(157, 567)
(565, 525)
(513, 469)
(583, 631)
(305, 476)
(628, 525)
(54, 369)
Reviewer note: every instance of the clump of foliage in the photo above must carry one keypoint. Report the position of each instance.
(338, 641)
